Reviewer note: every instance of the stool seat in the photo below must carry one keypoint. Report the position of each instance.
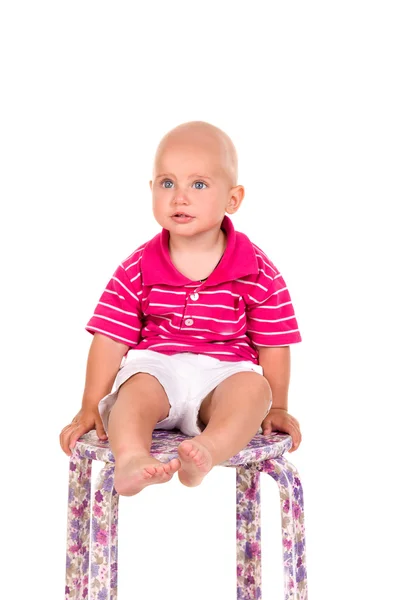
(91, 557)
(165, 444)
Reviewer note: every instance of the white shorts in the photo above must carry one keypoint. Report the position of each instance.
(187, 379)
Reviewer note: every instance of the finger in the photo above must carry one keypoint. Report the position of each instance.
(100, 431)
(67, 427)
(75, 435)
(296, 422)
(298, 433)
(64, 441)
(296, 439)
(292, 431)
(64, 438)
(267, 427)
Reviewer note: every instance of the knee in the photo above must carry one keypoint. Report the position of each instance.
(148, 394)
(144, 381)
(264, 392)
(147, 386)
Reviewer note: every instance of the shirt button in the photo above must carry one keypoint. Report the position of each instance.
(189, 322)
(194, 296)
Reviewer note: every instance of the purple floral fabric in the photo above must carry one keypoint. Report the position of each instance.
(104, 537)
(248, 529)
(165, 443)
(96, 524)
(78, 535)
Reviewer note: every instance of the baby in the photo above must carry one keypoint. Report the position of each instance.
(193, 331)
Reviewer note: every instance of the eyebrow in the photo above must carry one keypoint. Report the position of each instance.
(190, 176)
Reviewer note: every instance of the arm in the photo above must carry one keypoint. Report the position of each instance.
(276, 364)
(116, 325)
(103, 362)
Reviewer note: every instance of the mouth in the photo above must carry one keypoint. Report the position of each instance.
(182, 218)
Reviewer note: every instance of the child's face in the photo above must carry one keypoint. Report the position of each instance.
(193, 178)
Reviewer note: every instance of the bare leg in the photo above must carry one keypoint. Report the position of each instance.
(141, 403)
(233, 413)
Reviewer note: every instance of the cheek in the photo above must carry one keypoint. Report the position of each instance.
(157, 199)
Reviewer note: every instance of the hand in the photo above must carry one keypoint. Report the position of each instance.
(85, 420)
(278, 419)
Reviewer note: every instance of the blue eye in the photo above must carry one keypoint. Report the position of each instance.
(166, 181)
(168, 187)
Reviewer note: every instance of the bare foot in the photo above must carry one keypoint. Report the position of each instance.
(133, 474)
(196, 462)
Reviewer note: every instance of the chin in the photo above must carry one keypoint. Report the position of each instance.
(161, 221)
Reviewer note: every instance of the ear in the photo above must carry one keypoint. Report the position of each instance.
(151, 185)
(237, 194)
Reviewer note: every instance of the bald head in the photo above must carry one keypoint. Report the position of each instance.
(205, 137)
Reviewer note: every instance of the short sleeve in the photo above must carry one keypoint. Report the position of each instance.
(118, 313)
(271, 317)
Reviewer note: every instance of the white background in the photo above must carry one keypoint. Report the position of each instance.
(307, 92)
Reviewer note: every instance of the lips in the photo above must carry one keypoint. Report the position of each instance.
(182, 218)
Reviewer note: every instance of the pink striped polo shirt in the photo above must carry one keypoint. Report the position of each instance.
(244, 303)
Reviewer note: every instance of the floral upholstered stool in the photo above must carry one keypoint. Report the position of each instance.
(92, 526)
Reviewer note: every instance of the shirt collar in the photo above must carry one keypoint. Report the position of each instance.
(238, 260)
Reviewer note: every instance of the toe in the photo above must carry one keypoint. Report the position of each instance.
(186, 448)
(175, 464)
(150, 469)
(148, 472)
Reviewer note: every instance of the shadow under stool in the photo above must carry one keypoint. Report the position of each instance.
(92, 516)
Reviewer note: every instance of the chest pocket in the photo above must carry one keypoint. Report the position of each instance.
(221, 319)
(167, 304)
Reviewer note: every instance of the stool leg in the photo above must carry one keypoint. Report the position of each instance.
(293, 527)
(114, 544)
(104, 537)
(78, 528)
(248, 534)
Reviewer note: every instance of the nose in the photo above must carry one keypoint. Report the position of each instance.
(180, 197)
